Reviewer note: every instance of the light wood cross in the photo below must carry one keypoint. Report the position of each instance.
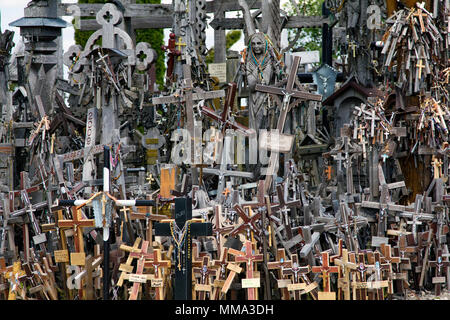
(420, 65)
(347, 267)
(233, 268)
(138, 278)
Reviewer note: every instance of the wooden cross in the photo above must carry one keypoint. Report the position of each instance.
(279, 265)
(387, 257)
(77, 224)
(346, 267)
(221, 273)
(205, 272)
(421, 15)
(378, 268)
(127, 267)
(182, 214)
(233, 268)
(296, 272)
(440, 271)
(437, 167)
(159, 265)
(225, 119)
(420, 66)
(250, 258)
(325, 271)
(137, 278)
(249, 224)
(218, 230)
(288, 93)
(91, 263)
(283, 207)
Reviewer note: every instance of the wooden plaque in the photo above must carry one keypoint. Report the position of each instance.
(61, 256)
(218, 70)
(126, 268)
(157, 283)
(202, 287)
(251, 283)
(283, 283)
(436, 280)
(77, 258)
(218, 283)
(377, 241)
(233, 267)
(327, 295)
(296, 286)
(142, 278)
(378, 284)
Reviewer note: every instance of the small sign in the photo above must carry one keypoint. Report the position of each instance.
(327, 295)
(377, 241)
(61, 256)
(218, 70)
(378, 284)
(202, 287)
(283, 283)
(233, 267)
(218, 283)
(157, 283)
(436, 280)
(40, 238)
(77, 258)
(251, 283)
(296, 286)
(141, 278)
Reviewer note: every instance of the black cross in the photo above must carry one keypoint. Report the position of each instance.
(183, 213)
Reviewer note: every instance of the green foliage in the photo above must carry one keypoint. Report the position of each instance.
(310, 38)
(231, 38)
(155, 37)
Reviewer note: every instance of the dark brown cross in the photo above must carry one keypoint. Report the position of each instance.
(205, 272)
(279, 264)
(157, 263)
(387, 257)
(224, 118)
(284, 208)
(296, 272)
(379, 267)
(250, 258)
(440, 267)
(288, 94)
(249, 223)
(325, 269)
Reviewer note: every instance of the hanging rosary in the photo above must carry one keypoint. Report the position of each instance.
(179, 237)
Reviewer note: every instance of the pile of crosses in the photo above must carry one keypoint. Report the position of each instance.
(258, 182)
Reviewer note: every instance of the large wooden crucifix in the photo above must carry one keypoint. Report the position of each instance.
(288, 93)
(190, 228)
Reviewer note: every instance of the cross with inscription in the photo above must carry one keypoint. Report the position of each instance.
(182, 215)
(250, 258)
(159, 265)
(289, 93)
(296, 272)
(440, 266)
(204, 272)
